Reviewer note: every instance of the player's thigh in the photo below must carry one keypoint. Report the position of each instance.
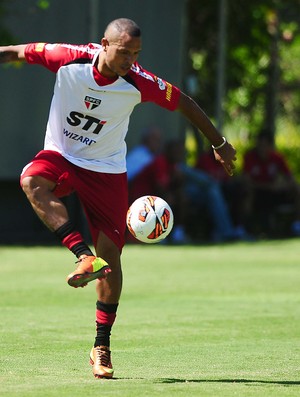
(49, 171)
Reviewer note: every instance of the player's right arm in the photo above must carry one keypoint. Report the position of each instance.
(12, 53)
(52, 56)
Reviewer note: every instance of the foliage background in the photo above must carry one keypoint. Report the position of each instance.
(262, 69)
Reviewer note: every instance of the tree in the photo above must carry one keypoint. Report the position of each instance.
(6, 36)
(262, 63)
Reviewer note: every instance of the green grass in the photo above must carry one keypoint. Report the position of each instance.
(193, 321)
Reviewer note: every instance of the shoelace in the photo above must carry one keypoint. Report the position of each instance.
(80, 259)
(78, 262)
(103, 356)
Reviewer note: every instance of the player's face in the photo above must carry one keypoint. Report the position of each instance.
(122, 53)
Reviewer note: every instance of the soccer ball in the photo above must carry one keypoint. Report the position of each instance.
(150, 219)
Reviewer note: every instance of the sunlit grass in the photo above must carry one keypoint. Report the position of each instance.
(193, 321)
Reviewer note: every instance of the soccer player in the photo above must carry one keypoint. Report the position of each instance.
(96, 89)
(271, 184)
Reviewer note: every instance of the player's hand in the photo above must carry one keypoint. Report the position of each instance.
(226, 156)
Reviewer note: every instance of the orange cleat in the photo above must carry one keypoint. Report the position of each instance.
(89, 268)
(101, 362)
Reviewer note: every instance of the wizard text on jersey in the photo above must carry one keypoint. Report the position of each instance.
(87, 123)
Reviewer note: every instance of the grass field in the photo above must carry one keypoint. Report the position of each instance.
(193, 321)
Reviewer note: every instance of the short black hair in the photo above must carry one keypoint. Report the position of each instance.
(125, 25)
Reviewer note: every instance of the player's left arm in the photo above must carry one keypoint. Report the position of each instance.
(223, 150)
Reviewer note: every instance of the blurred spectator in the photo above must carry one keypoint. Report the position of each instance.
(189, 192)
(234, 188)
(161, 178)
(273, 186)
(143, 154)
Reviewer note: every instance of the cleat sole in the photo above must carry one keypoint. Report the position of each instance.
(82, 279)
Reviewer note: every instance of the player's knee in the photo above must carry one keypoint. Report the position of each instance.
(26, 184)
(33, 185)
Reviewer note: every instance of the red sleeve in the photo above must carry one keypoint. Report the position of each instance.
(157, 173)
(248, 161)
(163, 172)
(154, 89)
(209, 164)
(282, 163)
(53, 56)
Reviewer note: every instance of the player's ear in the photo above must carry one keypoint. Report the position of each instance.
(104, 43)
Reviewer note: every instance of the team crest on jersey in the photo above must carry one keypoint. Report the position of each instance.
(91, 103)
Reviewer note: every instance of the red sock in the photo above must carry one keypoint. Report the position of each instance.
(72, 239)
(105, 318)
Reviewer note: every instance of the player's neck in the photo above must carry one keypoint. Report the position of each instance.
(103, 69)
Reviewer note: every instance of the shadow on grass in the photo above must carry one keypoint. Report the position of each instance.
(250, 381)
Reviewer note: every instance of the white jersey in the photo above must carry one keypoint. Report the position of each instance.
(89, 114)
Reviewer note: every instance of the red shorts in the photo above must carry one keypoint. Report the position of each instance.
(104, 197)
